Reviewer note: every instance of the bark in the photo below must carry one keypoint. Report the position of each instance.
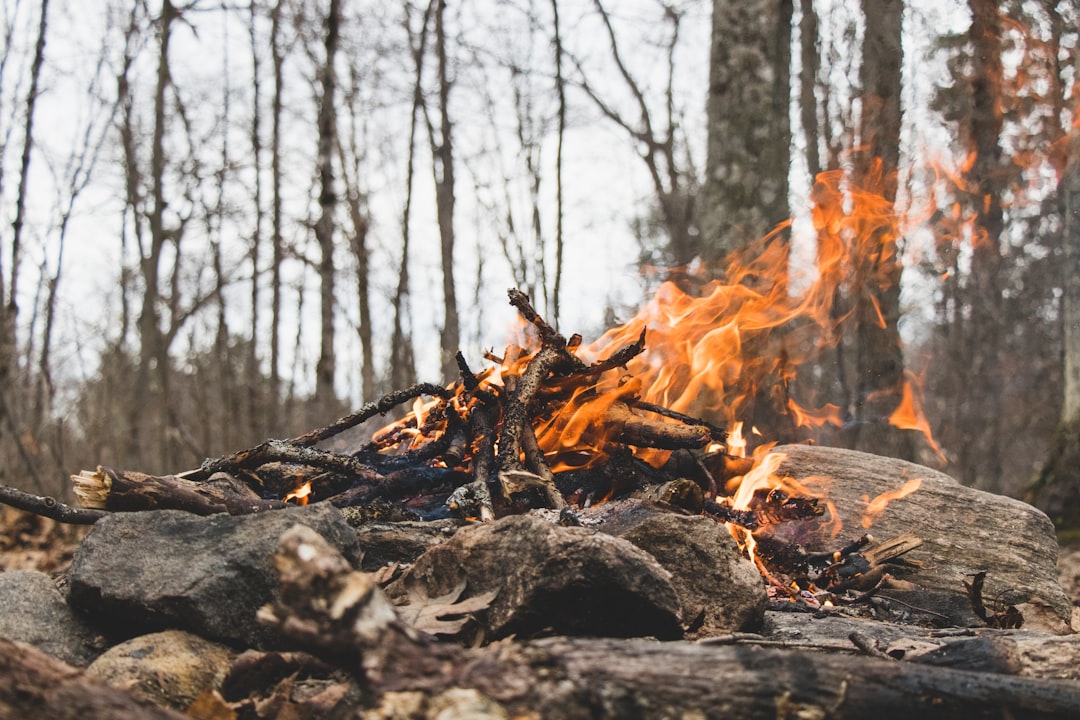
(749, 135)
(879, 356)
(325, 369)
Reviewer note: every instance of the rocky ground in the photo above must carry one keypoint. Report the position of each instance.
(203, 582)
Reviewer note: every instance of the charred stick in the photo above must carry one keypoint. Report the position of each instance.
(634, 429)
(400, 484)
(284, 451)
(49, 507)
(385, 404)
(524, 306)
(516, 412)
(482, 424)
(725, 513)
(719, 434)
(534, 461)
(835, 555)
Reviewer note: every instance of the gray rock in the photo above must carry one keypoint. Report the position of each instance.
(386, 543)
(565, 580)
(33, 611)
(965, 531)
(719, 589)
(170, 668)
(146, 571)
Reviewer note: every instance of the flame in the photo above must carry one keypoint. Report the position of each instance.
(875, 507)
(736, 443)
(909, 416)
(300, 494)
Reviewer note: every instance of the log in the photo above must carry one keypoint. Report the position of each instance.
(341, 615)
(36, 685)
(109, 489)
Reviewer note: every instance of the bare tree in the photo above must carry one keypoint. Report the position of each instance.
(9, 312)
(324, 227)
(442, 154)
(560, 94)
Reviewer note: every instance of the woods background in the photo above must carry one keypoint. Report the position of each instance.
(232, 221)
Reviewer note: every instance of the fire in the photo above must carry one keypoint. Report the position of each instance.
(301, 494)
(908, 415)
(875, 507)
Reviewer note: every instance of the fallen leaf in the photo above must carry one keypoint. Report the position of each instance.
(443, 615)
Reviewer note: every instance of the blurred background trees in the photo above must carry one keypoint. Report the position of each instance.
(233, 221)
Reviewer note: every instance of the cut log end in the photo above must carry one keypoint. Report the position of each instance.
(92, 488)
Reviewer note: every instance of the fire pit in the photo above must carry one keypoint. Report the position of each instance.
(521, 538)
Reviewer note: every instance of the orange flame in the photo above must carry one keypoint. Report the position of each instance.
(875, 507)
(300, 494)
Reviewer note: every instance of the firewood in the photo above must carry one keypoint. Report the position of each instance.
(109, 489)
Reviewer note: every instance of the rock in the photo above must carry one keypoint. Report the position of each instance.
(965, 531)
(33, 611)
(170, 668)
(145, 571)
(564, 580)
(719, 589)
(386, 543)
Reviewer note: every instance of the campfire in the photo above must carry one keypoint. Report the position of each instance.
(516, 530)
(551, 424)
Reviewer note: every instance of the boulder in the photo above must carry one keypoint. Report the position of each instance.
(161, 569)
(33, 611)
(719, 589)
(964, 532)
(170, 668)
(549, 579)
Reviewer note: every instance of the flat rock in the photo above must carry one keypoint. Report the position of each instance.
(965, 531)
(145, 571)
(550, 579)
(170, 668)
(719, 589)
(33, 611)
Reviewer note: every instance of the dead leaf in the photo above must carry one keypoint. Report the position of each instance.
(442, 615)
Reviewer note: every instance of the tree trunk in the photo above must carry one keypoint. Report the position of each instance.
(325, 369)
(9, 314)
(442, 151)
(879, 355)
(276, 238)
(749, 132)
(982, 367)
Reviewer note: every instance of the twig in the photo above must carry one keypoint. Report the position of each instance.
(49, 507)
(718, 433)
(383, 405)
(285, 451)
